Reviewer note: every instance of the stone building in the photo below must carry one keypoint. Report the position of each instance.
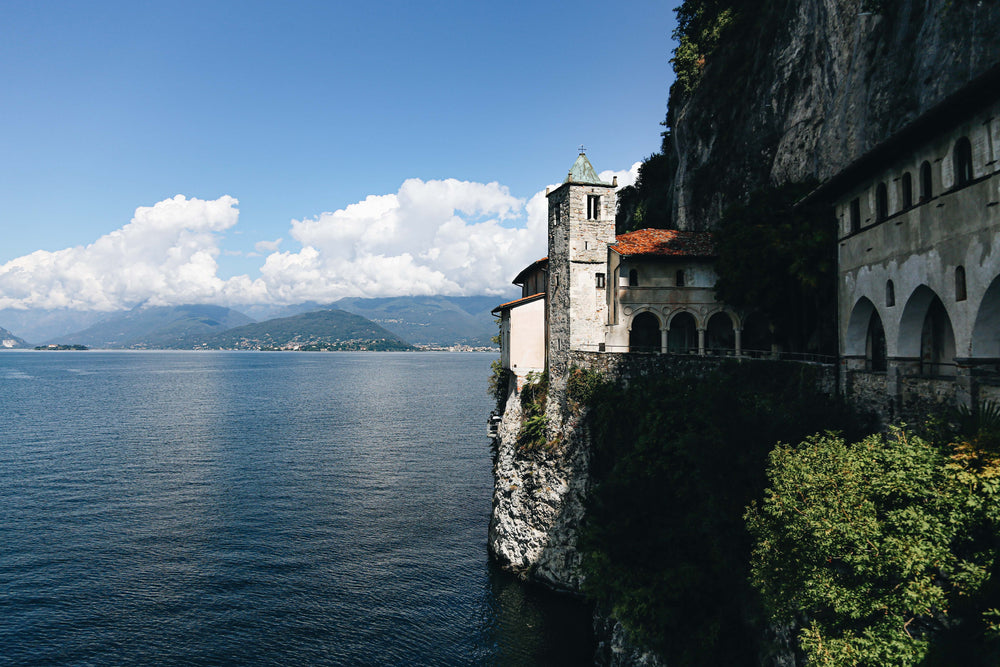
(646, 291)
(919, 258)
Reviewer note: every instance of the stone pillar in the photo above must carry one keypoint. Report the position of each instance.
(663, 340)
(701, 342)
(739, 342)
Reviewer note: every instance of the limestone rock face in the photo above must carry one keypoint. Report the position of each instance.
(538, 503)
(811, 85)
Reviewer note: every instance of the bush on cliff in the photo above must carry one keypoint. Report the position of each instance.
(889, 548)
(675, 462)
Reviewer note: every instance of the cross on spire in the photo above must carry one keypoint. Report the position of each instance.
(582, 149)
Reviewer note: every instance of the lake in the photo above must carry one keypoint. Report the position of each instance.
(214, 508)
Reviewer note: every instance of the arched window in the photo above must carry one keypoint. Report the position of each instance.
(720, 336)
(890, 294)
(679, 279)
(962, 158)
(926, 183)
(959, 283)
(881, 202)
(855, 215)
(906, 185)
(644, 334)
(683, 336)
(633, 278)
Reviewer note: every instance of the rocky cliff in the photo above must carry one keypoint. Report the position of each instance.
(798, 89)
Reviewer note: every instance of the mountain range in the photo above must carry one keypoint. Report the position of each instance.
(435, 321)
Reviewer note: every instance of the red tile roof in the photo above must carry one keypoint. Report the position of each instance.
(517, 302)
(665, 243)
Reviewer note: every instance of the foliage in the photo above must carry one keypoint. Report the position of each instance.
(675, 461)
(888, 548)
(781, 260)
(583, 384)
(534, 423)
(701, 25)
(647, 203)
(499, 382)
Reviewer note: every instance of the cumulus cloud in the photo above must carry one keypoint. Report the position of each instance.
(166, 254)
(429, 237)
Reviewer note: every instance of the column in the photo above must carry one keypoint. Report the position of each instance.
(701, 342)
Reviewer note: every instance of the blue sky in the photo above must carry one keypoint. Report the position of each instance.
(296, 110)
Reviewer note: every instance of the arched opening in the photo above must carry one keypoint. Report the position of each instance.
(644, 334)
(986, 330)
(890, 294)
(683, 336)
(881, 202)
(633, 278)
(756, 334)
(875, 348)
(926, 182)
(906, 187)
(856, 339)
(720, 335)
(925, 333)
(962, 158)
(937, 342)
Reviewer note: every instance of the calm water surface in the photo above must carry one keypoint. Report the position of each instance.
(214, 508)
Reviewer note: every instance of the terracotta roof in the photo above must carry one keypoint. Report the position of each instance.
(665, 243)
(523, 275)
(517, 302)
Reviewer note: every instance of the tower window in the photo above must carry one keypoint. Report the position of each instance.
(906, 183)
(855, 215)
(960, 283)
(881, 202)
(600, 280)
(593, 207)
(679, 278)
(963, 162)
(926, 183)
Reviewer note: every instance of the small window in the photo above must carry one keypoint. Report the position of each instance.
(926, 184)
(633, 278)
(890, 294)
(855, 215)
(555, 213)
(960, 283)
(679, 280)
(963, 162)
(906, 185)
(600, 280)
(881, 202)
(593, 207)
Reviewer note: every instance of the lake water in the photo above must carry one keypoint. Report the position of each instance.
(214, 508)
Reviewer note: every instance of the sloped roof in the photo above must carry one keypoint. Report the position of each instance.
(665, 243)
(582, 172)
(517, 302)
(520, 278)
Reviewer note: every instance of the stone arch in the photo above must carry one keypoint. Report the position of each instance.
(926, 334)
(683, 334)
(986, 330)
(857, 327)
(720, 333)
(644, 332)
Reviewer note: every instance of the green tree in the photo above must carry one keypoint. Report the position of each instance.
(885, 550)
(781, 259)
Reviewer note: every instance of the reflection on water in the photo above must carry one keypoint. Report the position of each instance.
(259, 508)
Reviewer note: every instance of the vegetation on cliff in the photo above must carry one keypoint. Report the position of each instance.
(886, 551)
(675, 462)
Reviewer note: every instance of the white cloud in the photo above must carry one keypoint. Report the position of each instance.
(625, 178)
(430, 237)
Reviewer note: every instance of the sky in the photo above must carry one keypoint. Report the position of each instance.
(278, 152)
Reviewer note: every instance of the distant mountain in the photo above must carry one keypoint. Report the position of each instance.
(157, 327)
(9, 341)
(38, 324)
(431, 320)
(330, 329)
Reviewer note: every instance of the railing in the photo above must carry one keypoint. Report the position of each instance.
(806, 357)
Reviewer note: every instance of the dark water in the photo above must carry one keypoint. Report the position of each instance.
(257, 508)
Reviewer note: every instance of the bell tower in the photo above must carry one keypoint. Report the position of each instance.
(581, 226)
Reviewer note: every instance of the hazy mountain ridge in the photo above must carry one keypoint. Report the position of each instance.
(328, 329)
(157, 327)
(9, 341)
